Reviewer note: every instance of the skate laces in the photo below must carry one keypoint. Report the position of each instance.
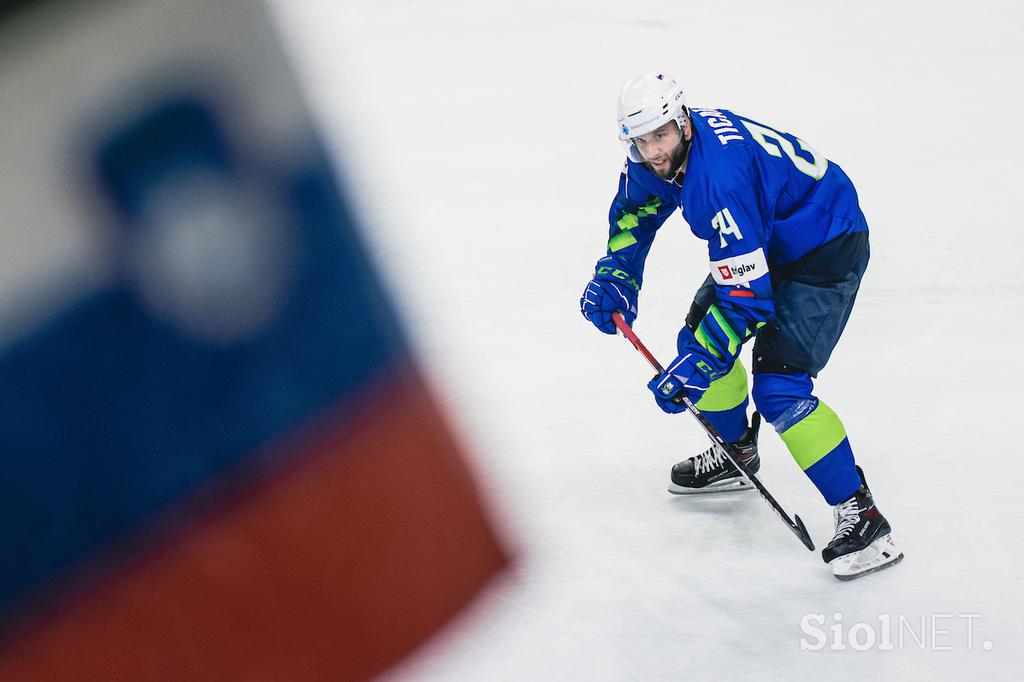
(708, 460)
(847, 514)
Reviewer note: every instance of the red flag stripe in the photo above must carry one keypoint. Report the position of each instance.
(334, 570)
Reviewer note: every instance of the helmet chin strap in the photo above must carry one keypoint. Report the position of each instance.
(678, 172)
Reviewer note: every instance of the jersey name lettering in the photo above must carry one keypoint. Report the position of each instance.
(723, 127)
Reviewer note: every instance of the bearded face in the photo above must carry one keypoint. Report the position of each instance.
(664, 149)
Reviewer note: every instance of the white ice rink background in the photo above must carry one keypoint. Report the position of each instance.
(479, 140)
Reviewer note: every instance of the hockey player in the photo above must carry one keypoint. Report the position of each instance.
(788, 245)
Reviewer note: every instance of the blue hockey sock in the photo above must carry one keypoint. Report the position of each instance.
(812, 432)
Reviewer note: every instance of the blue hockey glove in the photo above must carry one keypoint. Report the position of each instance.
(690, 374)
(611, 289)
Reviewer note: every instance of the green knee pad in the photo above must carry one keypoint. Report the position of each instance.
(727, 392)
(814, 436)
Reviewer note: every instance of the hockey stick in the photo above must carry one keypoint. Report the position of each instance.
(795, 524)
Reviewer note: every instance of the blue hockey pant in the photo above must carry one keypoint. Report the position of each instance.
(813, 299)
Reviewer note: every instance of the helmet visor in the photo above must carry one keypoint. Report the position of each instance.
(632, 152)
(654, 145)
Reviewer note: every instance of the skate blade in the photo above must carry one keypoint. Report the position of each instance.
(882, 553)
(728, 486)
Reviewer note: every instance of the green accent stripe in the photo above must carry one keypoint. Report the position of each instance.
(621, 241)
(628, 221)
(727, 392)
(734, 340)
(814, 436)
(650, 208)
(707, 342)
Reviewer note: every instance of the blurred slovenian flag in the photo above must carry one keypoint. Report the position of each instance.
(217, 457)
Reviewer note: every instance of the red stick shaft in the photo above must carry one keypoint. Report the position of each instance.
(620, 322)
(797, 526)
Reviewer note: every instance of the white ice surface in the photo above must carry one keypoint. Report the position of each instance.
(479, 140)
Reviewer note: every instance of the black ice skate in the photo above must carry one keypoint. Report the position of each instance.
(711, 471)
(863, 540)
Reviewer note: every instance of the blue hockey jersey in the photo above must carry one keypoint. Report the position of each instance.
(759, 197)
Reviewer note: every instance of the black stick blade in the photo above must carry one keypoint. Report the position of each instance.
(800, 530)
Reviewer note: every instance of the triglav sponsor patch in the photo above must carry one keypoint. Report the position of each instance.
(740, 269)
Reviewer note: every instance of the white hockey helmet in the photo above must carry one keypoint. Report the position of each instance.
(645, 104)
